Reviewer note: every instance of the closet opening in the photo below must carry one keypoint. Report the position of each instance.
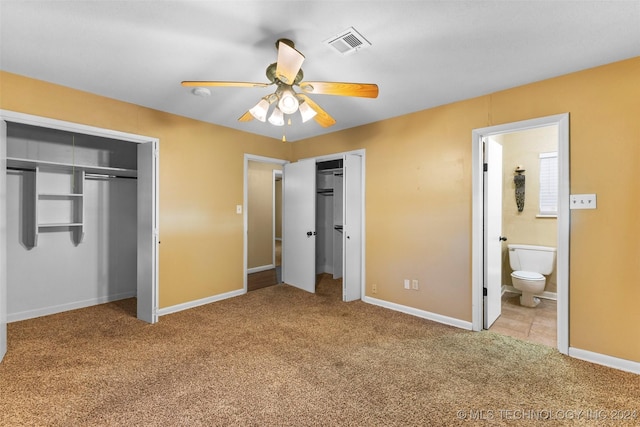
(81, 218)
(323, 223)
(329, 227)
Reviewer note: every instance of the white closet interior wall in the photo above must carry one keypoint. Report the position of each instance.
(59, 273)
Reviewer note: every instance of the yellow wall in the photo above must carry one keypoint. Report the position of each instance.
(418, 199)
(201, 181)
(418, 194)
(260, 232)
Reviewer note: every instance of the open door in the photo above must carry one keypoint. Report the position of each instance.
(147, 232)
(299, 225)
(3, 238)
(352, 243)
(493, 232)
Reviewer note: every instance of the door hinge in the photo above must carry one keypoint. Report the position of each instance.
(485, 167)
(484, 292)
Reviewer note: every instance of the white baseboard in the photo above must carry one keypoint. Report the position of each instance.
(546, 295)
(260, 268)
(603, 359)
(46, 311)
(419, 313)
(197, 303)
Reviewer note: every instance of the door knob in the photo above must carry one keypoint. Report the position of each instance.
(502, 238)
(311, 233)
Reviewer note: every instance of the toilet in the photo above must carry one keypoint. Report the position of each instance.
(530, 264)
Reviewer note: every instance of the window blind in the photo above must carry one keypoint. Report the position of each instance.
(549, 183)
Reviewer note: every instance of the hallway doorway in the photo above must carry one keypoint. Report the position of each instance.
(262, 221)
(520, 323)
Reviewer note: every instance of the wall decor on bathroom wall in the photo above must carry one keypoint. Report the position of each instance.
(519, 180)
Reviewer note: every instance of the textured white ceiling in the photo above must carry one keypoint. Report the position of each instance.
(423, 53)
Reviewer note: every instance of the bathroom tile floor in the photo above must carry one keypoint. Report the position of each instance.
(536, 325)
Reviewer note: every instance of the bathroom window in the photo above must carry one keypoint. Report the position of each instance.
(549, 184)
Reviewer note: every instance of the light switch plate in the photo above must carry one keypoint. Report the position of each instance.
(238, 209)
(582, 201)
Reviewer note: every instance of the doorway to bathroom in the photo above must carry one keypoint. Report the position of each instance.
(536, 152)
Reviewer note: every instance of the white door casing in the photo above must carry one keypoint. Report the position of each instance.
(3, 239)
(147, 298)
(245, 211)
(477, 248)
(352, 227)
(299, 225)
(492, 232)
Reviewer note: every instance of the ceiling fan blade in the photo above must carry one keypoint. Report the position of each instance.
(364, 90)
(229, 84)
(246, 117)
(322, 117)
(289, 63)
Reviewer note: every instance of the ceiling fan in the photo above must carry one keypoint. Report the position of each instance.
(285, 74)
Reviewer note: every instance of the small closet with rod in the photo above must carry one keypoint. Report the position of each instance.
(329, 227)
(78, 231)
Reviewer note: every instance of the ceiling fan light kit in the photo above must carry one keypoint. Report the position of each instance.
(288, 102)
(260, 110)
(285, 74)
(307, 113)
(277, 118)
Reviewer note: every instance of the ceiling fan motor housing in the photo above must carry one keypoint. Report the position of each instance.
(271, 75)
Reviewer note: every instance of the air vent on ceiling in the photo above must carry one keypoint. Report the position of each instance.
(348, 41)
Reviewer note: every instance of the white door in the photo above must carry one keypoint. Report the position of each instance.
(299, 225)
(3, 238)
(352, 236)
(147, 232)
(493, 232)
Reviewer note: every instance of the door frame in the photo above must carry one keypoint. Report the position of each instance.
(150, 275)
(336, 156)
(274, 177)
(477, 258)
(245, 203)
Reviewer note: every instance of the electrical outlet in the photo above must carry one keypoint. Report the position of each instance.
(414, 284)
(407, 285)
(374, 288)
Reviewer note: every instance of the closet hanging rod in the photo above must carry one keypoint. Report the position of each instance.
(14, 168)
(106, 176)
(87, 175)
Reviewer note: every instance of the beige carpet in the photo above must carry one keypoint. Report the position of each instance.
(282, 357)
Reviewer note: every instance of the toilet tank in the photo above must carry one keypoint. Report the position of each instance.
(538, 259)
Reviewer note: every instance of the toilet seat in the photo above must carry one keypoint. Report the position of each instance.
(527, 275)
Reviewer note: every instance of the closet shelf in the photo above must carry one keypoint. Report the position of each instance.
(325, 191)
(60, 224)
(59, 195)
(16, 162)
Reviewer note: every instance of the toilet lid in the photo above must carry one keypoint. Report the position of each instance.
(527, 275)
